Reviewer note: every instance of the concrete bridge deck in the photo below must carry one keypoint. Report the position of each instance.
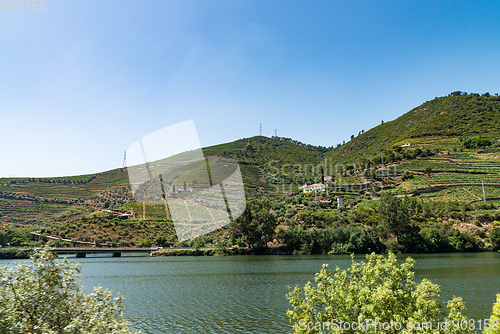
(117, 252)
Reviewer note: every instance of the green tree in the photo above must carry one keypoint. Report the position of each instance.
(145, 242)
(44, 296)
(394, 215)
(372, 294)
(256, 223)
(495, 237)
(161, 241)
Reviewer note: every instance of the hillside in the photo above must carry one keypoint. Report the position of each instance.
(440, 123)
(42, 201)
(454, 148)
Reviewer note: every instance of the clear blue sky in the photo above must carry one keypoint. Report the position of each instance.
(83, 80)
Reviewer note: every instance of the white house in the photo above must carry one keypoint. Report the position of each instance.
(317, 186)
(406, 145)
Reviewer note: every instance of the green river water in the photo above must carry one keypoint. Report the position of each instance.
(246, 294)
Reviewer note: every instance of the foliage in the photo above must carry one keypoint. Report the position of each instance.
(495, 319)
(394, 217)
(464, 242)
(476, 142)
(161, 241)
(15, 253)
(378, 291)
(145, 242)
(495, 237)
(338, 240)
(43, 295)
(256, 222)
(17, 238)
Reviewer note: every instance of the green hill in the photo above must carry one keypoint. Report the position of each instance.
(454, 147)
(441, 123)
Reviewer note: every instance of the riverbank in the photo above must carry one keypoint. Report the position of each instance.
(221, 251)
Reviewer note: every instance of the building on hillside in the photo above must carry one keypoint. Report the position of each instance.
(317, 186)
(406, 145)
(328, 178)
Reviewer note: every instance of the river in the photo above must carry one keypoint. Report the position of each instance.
(246, 294)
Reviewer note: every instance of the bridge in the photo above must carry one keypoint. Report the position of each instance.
(117, 252)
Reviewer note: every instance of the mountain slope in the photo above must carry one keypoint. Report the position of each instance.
(437, 157)
(449, 119)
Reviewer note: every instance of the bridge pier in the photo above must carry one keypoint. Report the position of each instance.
(81, 254)
(117, 254)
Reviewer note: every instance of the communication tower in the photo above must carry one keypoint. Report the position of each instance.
(124, 159)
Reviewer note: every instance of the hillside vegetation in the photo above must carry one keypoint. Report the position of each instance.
(440, 154)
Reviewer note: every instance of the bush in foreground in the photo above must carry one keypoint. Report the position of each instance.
(495, 318)
(379, 295)
(44, 296)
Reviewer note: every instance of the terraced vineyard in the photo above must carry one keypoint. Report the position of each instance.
(452, 168)
(18, 213)
(67, 187)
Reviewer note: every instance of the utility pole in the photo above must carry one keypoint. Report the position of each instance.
(382, 163)
(484, 195)
(164, 197)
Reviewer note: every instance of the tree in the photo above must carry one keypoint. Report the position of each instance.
(394, 216)
(256, 222)
(44, 296)
(161, 241)
(495, 237)
(378, 294)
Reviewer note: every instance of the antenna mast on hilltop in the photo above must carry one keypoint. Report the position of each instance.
(261, 129)
(124, 159)
(276, 132)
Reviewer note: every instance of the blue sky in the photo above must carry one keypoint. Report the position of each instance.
(83, 80)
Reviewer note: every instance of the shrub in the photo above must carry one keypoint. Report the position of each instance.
(378, 290)
(495, 319)
(123, 243)
(476, 142)
(145, 242)
(161, 241)
(495, 237)
(44, 296)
